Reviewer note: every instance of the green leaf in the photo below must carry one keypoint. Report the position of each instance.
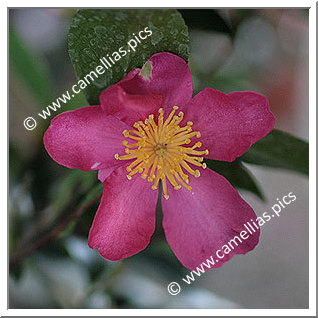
(73, 181)
(95, 33)
(280, 150)
(30, 68)
(235, 172)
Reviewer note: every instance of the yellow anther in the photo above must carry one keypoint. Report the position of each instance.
(197, 173)
(159, 151)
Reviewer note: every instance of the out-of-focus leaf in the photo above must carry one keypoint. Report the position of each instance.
(206, 19)
(95, 34)
(30, 68)
(93, 192)
(75, 180)
(239, 176)
(77, 101)
(228, 82)
(68, 230)
(14, 166)
(280, 150)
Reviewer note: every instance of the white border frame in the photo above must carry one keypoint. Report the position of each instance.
(312, 178)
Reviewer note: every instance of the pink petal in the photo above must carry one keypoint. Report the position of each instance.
(104, 173)
(129, 108)
(229, 124)
(200, 222)
(125, 220)
(136, 96)
(85, 138)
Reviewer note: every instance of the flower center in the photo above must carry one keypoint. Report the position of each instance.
(160, 151)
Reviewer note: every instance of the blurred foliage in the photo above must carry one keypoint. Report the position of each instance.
(206, 19)
(52, 208)
(280, 150)
(239, 176)
(26, 63)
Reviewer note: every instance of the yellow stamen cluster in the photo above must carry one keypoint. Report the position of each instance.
(160, 153)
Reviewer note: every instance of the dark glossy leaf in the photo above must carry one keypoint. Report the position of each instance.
(280, 150)
(206, 19)
(30, 68)
(237, 174)
(95, 34)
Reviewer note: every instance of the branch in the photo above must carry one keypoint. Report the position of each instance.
(23, 253)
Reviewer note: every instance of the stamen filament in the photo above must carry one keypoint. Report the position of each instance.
(160, 153)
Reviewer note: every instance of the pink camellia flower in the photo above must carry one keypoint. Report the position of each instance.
(149, 124)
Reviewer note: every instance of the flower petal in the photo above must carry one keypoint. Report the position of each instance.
(200, 222)
(129, 108)
(229, 123)
(167, 83)
(104, 173)
(125, 220)
(85, 138)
